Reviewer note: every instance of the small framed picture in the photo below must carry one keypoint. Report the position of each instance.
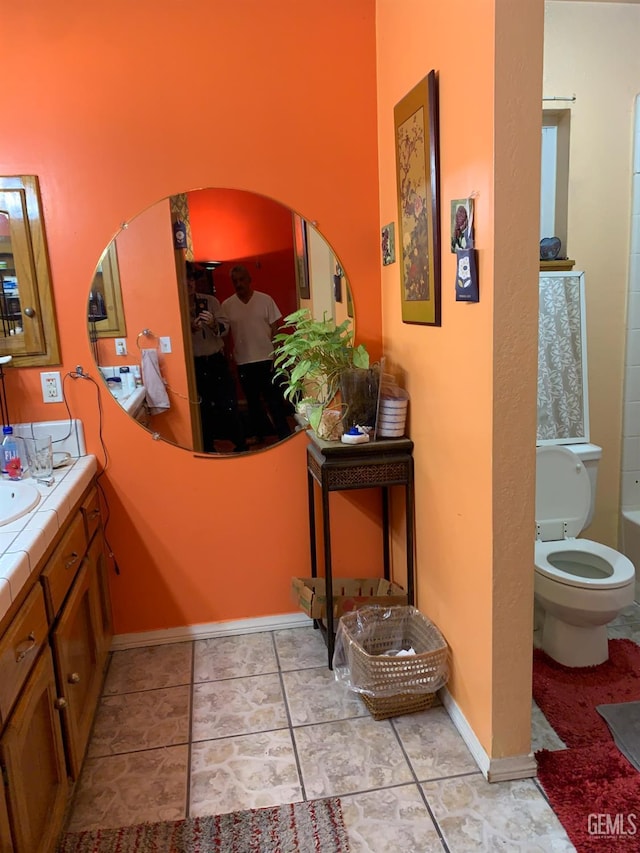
(389, 244)
(461, 224)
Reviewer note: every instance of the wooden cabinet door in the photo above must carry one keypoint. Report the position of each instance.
(76, 654)
(99, 566)
(33, 764)
(6, 845)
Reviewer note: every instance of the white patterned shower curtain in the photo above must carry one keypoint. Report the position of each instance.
(562, 370)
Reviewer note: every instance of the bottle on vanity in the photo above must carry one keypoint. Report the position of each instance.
(11, 462)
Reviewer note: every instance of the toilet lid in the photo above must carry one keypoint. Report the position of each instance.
(563, 493)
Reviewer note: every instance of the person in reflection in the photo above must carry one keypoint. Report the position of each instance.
(254, 319)
(214, 383)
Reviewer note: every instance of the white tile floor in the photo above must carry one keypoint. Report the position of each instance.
(212, 726)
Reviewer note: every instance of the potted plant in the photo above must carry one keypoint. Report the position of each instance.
(314, 358)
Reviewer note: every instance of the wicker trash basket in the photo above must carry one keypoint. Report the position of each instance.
(391, 685)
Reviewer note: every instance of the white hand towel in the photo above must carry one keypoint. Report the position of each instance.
(157, 397)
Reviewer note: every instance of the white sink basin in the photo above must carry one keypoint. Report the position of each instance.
(16, 500)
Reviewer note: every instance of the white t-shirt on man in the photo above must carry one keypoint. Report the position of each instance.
(251, 326)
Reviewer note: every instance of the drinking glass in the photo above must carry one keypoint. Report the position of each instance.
(39, 457)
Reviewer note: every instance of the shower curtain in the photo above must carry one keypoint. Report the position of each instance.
(562, 369)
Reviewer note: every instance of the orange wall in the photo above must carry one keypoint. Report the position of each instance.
(114, 108)
(472, 380)
(150, 299)
(240, 227)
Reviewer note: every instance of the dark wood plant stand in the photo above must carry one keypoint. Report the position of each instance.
(339, 467)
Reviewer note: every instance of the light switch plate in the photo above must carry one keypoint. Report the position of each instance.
(165, 344)
(121, 346)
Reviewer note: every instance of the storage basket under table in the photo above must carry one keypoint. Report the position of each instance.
(391, 685)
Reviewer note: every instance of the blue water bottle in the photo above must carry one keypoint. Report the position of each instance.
(11, 462)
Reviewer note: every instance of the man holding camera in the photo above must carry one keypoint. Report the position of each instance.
(215, 385)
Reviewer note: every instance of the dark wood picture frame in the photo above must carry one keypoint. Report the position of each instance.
(301, 253)
(415, 120)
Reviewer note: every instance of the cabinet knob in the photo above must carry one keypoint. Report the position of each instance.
(30, 312)
(73, 559)
(60, 703)
(74, 678)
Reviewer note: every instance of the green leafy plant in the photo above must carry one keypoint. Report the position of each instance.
(311, 358)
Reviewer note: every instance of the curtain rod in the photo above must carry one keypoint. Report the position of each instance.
(572, 98)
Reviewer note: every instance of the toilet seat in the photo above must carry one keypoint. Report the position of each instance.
(563, 497)
(619, 570)
(563, 494)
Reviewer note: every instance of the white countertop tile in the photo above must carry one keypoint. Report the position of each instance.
(6, 538)
(16, 526)
(15, 568)
(5, 595)
(33, 542)
(133, 402)
(42, 519)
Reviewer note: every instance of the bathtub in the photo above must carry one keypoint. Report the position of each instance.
(631, 542)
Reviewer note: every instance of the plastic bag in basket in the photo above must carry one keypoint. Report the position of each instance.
(364, 639)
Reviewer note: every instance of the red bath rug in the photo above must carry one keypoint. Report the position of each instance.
(595, 793)
(591, 786)
(568, 696)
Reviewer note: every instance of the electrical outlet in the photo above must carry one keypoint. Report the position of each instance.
(165, 344)
(51, 387)
(121, 346)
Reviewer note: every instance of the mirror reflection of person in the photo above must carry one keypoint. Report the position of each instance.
(255, 318)
(214, 383)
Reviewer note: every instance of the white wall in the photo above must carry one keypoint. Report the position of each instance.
(591, 51)
(631, 423)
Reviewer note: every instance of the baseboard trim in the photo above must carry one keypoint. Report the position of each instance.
(493, 769)
(209, 630)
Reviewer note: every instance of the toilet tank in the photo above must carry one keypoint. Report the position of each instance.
(590, 455)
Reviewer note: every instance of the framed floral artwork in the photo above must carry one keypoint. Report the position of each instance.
(417, 171)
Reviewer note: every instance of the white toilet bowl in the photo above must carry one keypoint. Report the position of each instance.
(580, 585)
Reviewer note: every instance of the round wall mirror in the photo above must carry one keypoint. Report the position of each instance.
(179, 306)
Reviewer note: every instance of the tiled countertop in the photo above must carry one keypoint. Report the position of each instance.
(133, 401)
(24, 541)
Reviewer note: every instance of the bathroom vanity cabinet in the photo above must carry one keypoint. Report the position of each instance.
(5, 830)
(53, 652)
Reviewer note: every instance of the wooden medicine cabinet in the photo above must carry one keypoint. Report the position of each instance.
(28, 329)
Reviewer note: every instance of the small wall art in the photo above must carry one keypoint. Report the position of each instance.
(462, 246)
(417, 165)
(461, 223)
(389, 244)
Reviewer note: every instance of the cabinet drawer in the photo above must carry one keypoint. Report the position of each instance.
(19, 648)
(63, 564)
(91, 512)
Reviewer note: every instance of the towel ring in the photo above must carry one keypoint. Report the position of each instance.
(147, 333)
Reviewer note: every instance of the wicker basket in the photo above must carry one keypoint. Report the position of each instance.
(384, 707)
(389, 685)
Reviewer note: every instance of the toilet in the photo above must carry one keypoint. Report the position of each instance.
(579, 585)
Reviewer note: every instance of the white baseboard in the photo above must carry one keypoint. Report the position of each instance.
(493, 769)
(210, 630)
